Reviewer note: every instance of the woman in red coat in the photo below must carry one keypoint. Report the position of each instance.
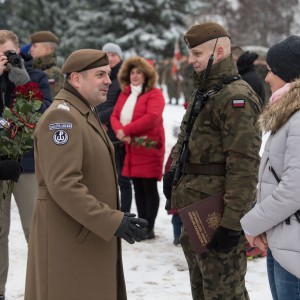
(137, 120)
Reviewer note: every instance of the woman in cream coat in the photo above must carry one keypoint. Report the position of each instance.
(274, 222)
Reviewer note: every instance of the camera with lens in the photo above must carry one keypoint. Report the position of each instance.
(13, 58)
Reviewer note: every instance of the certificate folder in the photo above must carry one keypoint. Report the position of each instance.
(201, 220)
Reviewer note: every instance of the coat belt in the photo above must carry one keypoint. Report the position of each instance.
(208, 169)
(42, 192)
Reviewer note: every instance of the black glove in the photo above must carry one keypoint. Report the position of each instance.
(18, 76)
(167, 186)
(224, 239)
(10, 170)
(131, 229)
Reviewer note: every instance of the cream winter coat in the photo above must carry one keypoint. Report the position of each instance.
(276, 202)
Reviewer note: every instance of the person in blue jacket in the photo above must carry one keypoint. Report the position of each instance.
(105, 110)
(25, 188)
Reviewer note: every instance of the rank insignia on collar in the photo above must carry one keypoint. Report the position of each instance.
(238, 103)
(63, 106)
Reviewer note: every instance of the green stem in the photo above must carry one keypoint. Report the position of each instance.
(9, 189)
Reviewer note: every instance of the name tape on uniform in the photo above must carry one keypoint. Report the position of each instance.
(55, 126)
(238, 103)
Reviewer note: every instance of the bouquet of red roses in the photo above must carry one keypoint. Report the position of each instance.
(18, 122)
(143, 141)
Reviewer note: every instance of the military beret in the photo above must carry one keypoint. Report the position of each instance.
(201, 33)
(44, 36)
(84, 59)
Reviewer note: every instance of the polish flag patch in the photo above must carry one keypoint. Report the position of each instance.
(238, 103)
(51, 80)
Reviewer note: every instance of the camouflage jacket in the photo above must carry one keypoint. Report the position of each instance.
(48, 65)
(225, 132)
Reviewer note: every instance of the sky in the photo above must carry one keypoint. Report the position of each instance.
(154, 269)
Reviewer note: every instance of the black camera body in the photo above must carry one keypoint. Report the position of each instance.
(13, 58)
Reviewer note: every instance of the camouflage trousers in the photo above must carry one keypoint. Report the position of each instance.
(217, 275)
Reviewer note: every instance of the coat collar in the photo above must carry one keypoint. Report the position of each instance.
(278, 113)
(218, 72)
(85, 110)
(44, 62)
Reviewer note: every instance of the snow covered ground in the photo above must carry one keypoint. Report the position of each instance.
(154, 269)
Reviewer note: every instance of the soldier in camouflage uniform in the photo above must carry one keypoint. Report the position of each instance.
(224, 137)
(172, 82)
(44, 44)
(186, 71)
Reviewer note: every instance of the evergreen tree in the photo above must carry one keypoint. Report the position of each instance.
(260, 23)
(57, 16)
(148, 28)
(145, 28)
(3, 15)
(264, 23)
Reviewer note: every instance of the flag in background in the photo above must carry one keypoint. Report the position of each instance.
(176, 58)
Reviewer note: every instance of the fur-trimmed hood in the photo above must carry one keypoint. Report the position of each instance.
(141, 64)
(277, 114)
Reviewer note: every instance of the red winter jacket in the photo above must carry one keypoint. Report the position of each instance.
(146, 121)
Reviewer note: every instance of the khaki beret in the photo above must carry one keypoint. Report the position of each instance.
(201, 33)
(44, 36)
(84, 59)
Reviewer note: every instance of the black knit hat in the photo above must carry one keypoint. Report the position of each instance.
(284, 58)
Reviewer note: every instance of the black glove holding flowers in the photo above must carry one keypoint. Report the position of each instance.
(10, 170)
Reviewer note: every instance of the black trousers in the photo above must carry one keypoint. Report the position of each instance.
(123, 182)
(147, 199)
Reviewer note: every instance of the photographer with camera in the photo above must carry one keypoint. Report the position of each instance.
(16, 70)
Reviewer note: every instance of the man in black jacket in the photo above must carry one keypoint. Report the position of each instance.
(24, 191)
(105, 110)
(245, 65)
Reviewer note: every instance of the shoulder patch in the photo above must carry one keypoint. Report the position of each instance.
(51, 80)
(60, 137)
(55, 126)
(238, 103)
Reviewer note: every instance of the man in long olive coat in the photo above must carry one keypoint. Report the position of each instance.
(74, 249)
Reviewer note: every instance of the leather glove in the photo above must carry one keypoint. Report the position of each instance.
(10, 170)
(224, 239)
(131, 229)
(167, 186)
(18, 76)
(168, 205)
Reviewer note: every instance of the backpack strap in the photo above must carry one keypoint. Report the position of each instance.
(297, 213)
